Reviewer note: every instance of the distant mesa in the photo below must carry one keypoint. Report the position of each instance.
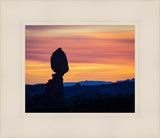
(133, 80)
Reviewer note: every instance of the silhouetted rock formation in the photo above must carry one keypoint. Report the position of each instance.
(54, 91)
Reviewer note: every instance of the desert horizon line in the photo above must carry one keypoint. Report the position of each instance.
(87, 80)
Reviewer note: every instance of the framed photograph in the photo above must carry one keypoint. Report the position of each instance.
(87, 66)
(97, 73)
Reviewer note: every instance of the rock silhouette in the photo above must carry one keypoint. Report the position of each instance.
(54, 91)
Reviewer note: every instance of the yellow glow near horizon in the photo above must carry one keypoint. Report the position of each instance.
(77, 72)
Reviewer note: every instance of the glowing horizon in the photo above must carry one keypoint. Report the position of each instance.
(94, 52)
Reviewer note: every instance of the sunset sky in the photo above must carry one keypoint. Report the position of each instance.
(94, 52)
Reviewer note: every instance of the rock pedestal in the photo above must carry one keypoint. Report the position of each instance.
(54, 91)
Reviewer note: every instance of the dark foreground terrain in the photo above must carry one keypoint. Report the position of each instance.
(112, 98)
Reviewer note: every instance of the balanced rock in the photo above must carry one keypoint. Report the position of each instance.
(54, 92)
(59, 63)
